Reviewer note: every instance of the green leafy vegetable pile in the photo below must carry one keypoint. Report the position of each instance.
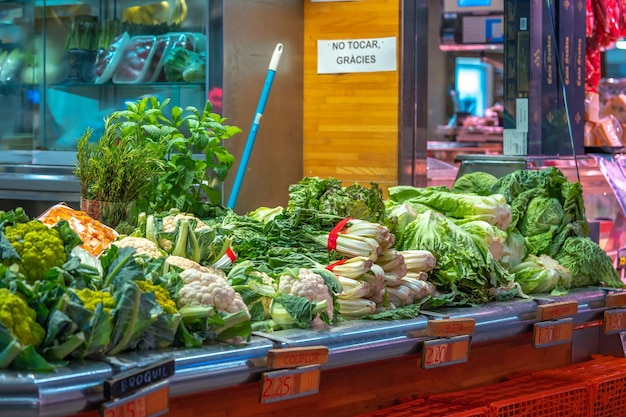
(548, 215)
(86, 307)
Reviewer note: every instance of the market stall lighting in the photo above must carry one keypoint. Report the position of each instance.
(621, 44)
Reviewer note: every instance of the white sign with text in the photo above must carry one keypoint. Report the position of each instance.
(356, 55)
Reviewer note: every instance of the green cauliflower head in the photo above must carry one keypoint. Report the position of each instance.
(40, 248)
(19, 318)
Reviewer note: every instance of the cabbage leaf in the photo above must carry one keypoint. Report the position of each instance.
(493, 209)
(465, 267)
(542, 274)
(478, 183)
(588, 263)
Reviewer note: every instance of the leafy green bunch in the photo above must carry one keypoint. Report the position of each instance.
(195, 160)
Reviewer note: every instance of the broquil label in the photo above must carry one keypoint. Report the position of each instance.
(130, 381)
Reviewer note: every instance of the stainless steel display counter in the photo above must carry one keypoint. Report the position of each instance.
(35, 187)
(79, 387)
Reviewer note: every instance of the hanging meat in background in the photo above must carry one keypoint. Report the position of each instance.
(606, 23)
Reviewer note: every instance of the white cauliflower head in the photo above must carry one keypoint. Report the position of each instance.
(170, 222)
(142, 246)
(186, 263)
(309, 285)
(208, 289)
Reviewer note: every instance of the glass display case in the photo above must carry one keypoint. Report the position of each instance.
(66, 64)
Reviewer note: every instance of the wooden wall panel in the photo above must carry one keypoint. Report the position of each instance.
(350, 121)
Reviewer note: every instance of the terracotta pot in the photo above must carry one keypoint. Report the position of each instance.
(110, 213)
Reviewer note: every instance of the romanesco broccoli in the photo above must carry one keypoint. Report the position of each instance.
(91, 299)
(19, 318)
(161, 295)
(40, 248)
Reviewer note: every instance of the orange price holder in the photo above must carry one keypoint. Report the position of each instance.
(286, 384)
(446, 351)
(553, 332)
(147, 402)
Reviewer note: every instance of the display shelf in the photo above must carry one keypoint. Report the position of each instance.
(352, 345)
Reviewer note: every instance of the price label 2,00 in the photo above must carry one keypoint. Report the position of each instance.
(290, 383)
(148, 402)
(551, 333)
(448, 351)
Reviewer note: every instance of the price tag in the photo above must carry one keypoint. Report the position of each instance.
(551, 333)
(147, 402)
(615, 321)
(621, 258)
(556, 310)
(616, 299)
(442, 352)
(295, 357)
(289, 383)
(450, 327)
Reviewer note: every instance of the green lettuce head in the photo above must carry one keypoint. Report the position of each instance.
(542, 274)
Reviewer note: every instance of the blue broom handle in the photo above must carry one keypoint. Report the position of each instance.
(247, 151)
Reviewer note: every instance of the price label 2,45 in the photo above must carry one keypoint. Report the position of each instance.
(448, 351)
(148, 402)
(290, 383)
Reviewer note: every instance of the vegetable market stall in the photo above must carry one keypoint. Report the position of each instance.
(370, 365)
(431, 290)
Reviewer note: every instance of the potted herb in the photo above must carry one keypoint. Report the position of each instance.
(115, 171)
(196, 161)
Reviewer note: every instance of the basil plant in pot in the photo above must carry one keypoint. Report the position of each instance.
(115, 171)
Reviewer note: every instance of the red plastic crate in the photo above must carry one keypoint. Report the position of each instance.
(607, 377)
(528, 396)
(427, 408)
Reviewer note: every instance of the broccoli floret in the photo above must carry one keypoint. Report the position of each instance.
(39, 247)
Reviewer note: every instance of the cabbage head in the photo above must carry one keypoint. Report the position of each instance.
(490, 235)
(514, 248)
(588, 263)
(465, 267)
(542, 274)
(478, 183)
(543, 214)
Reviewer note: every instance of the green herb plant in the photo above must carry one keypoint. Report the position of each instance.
(195, 160)
(117, 167)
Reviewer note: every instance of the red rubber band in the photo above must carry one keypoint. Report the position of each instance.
(334, 264)
(231, 255)
(332, 236)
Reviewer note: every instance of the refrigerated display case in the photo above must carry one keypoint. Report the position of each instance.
(48, 105)
(66, 64)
